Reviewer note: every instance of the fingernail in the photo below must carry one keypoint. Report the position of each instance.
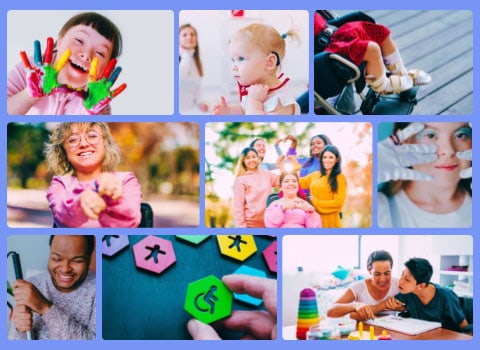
(192, 327)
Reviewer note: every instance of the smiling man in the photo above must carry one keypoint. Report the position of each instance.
(60, 303)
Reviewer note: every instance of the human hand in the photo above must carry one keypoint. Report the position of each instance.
(42, 78)
(293, 141)
(258, 92)
(395, 158)
(99, 94)
(92, 204)
(25, 293)
(221, 108)
(304, 205)
(465, 155)
(255, 324)
(109, 185)
(22, 318)
(203, 107)
(395, 304)
(365, 312)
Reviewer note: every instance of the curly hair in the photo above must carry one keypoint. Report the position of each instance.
(56, 155)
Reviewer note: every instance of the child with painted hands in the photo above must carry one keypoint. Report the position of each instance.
(60, 82)
(257, 51)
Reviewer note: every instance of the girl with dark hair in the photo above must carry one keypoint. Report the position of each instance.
(328, 187)
(76, 73)
(444, 196)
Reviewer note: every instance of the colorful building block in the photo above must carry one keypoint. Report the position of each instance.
(270, 256)
(194, 239)
(154, 254)
(112, 244)
(247, 270)
(208, 299)
(238, 247)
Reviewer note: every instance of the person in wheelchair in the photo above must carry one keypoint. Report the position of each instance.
(86, 191)
(364, 41)
(292, 208)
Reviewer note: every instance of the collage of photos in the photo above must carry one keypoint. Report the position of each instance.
(280, 175)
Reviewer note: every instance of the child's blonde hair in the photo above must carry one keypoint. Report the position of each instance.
(267, 38)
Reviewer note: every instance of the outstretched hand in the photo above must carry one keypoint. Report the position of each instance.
(255, 324)
(395, 158)
(42, 77)
(99, 93)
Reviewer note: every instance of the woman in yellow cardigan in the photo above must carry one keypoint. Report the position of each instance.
(328, 187)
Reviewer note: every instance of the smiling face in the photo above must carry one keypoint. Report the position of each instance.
(248, 62)
(68, 262)
(251, 161)
(328, 160)
(449, 138)
(316, 146)
(85, 43)
(187, 38)
(260, 147)
(289, 186)
(85, 150)
(381, 273)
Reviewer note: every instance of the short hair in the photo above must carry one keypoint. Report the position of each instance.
(101, 24)
(56, 155)
(378, 255)
(89, 240)
(241, 168)
(421, 269)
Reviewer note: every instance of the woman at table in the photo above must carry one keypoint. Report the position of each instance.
(292, 209)
(366, 298)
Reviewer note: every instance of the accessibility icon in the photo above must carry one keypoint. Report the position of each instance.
(208, 299)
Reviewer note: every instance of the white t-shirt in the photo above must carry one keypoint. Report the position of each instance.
(360, 291)
(410, 215)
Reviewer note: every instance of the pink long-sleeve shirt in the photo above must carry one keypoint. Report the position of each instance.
(63, 197)
(250, 192)
(275, 216)
(61, 102)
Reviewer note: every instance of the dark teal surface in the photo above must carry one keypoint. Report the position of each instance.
(138, 304)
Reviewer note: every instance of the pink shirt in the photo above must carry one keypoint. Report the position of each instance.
(61, 102)
(250, 192)
(291, 218)
(63, 197)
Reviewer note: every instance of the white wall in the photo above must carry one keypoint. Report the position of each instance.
(147, 58)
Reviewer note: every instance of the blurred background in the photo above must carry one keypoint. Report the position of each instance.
(163, 156)
(225, 141)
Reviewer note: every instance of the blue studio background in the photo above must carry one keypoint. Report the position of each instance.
(176, 6)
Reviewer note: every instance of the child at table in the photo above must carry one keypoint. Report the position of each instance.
(65, 79)
(257, 52)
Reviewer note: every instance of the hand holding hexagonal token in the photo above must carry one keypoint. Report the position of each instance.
(208, 299)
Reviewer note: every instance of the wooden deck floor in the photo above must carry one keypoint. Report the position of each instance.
(441, 43)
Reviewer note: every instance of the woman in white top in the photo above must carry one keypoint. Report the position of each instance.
(362, 298)
(190, 72)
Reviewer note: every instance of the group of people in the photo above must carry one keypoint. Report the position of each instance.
(412, 293)
(312, 189)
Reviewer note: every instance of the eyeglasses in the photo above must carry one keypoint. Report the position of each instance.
(91, 137)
